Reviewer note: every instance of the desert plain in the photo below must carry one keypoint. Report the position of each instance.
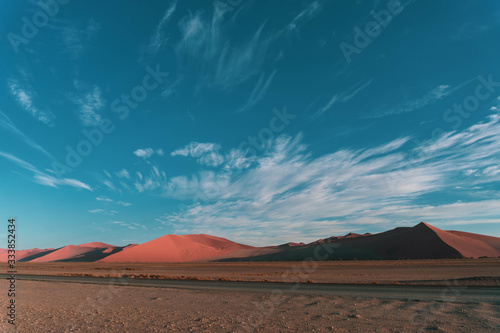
(470, 272)
(446, 295)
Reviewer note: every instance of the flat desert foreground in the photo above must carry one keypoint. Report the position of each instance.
(79, 307)
(469, 272)
(461, 295)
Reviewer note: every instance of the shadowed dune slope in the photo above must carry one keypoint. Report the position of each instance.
(422, 241)
(174, 248)
(24, 255)
(79, 253)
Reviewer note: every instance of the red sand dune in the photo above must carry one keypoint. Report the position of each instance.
(174, 248)
(292, 244)
(23, 254)
(335, 238)
(422, 241)
(97, 245)
(492, 241)
(469, 244)
(84, 252)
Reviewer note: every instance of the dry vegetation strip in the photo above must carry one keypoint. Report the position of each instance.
(484, 272)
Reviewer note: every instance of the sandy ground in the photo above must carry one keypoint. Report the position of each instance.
(69, 307)
(480, 272)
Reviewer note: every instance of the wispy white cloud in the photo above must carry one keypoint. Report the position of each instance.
(292, 190)
(53, 181)
(170, 88)
(90, 102)
(121, 203)
(475, 28)
(103, 211)
(123, 174)
(344, 96)
(108, 183)
(8, 125)
(258, 92)
(148, 152)
(155, 180)
(236, 65)
(76, 36)
(205, 153)
(312, 9)
(237, 160)
(205, 44)
(129, 225)
(44, 178)
(104, 199)
(144, 153)
(158, 38)
(25, 95)
(429, 98)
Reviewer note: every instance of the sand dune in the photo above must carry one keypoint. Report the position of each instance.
(468, 244)
(96, 245)
(85, 252)
(174, 248)
(335, 238)
(494, 242)
(23, 255)
(422, 241)
(292, 244)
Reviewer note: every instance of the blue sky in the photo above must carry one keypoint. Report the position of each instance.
(261, 122)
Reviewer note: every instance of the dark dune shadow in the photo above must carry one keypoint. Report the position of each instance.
(93, 255)
(37, 255)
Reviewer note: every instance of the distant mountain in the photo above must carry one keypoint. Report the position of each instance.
(422, 241)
